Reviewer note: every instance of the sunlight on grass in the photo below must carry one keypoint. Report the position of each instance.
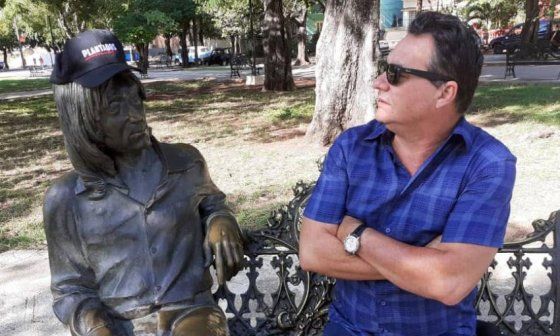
(18, 85)
(241, 126)
(521, 102)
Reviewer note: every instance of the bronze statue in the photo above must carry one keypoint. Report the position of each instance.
(133, 229)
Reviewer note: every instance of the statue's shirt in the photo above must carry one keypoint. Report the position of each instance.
(133, 257)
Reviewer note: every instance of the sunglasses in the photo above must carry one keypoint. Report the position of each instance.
(394, 73)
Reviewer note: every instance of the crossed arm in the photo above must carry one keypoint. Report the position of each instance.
(445, 272)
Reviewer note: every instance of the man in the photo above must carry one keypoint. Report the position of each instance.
(133, 229)
(390, 188)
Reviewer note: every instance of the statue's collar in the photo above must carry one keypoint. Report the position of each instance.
(173, 159)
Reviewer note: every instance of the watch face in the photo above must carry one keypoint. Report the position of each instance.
(351, 244)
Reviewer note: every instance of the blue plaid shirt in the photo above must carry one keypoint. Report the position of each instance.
(461, 192)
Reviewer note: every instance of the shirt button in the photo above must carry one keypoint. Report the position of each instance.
(383, 303)
(153, 250)
(387, 230)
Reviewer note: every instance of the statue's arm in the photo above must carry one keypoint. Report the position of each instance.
(73, 284)
(223, 236)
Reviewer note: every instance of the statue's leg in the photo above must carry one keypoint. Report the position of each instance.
(201, 321)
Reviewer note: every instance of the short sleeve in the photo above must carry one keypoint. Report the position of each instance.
(482, 210)
(328, 201)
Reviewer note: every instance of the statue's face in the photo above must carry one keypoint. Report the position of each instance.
(124, 122)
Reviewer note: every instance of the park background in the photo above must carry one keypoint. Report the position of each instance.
(259, 140)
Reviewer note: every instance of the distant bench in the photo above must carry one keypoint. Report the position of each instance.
(239, 63)
(38, 71)
(531, 54)
(520, 293)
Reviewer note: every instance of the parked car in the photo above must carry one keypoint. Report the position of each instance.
(203, 54)
(2, 65)
(513, 37)
(220, 56)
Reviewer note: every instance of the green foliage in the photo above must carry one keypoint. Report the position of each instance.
(142, 21)
(231, 18)
(493, 13)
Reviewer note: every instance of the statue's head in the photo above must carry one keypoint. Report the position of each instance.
(100, 105)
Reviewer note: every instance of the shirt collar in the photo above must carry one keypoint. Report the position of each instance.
(377, 130)
(172, 161)
(462, 129)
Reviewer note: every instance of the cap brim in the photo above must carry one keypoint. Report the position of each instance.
(100, 75)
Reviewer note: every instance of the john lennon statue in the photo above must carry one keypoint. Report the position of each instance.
(133, 229)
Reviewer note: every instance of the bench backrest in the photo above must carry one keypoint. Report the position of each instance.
(275, 297)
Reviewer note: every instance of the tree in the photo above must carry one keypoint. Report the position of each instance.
(7, 38)
(231, 18)
(346, 68)
(139, 25)
(297, 14)
(75, 16)
(278, 68)
(494, 13)
(530, 30)
(419, 6)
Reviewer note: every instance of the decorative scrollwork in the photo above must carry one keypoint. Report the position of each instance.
(298, 301)
(525, 303)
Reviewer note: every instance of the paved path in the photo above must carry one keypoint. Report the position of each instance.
(493, 71)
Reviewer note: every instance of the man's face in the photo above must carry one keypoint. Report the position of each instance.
(123, 121)
(413, 98)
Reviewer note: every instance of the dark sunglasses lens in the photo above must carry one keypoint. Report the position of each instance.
(392, 74)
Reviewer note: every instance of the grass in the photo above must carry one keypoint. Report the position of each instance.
(497, 104)
(18, 85)
(249, 138)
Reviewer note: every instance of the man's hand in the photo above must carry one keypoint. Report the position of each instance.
(223, 240)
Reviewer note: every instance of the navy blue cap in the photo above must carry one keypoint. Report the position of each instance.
(89, 59)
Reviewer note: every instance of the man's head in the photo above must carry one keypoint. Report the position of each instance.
(434, 68)
(456, 53)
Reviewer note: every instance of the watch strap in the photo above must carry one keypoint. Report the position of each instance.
(359, 230)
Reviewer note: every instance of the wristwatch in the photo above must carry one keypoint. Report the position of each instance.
(352, 242)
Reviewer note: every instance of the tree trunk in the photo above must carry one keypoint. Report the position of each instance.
(277, 68)
(184, 47)
(195, 40)
(531, 26)
(5, 53)
(143, 64)
(419, 5)
(168, 50)
(346, 68)
(232, 40)
(200, 32)
(301, 20)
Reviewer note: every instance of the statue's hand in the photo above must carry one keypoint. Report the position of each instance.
(223, 240)
(95, 322)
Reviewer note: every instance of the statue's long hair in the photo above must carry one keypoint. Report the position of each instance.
(79, 109)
